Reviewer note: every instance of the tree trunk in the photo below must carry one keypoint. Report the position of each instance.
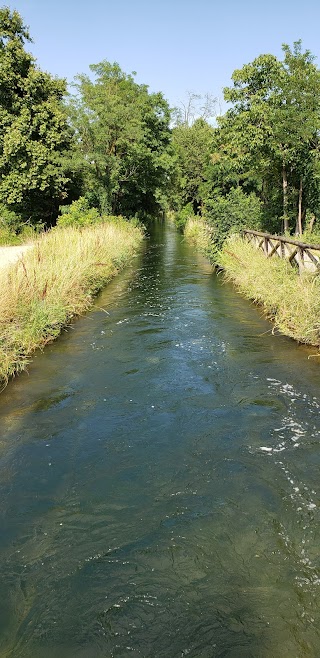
(264, 195)
(311, 223)
(285, 199)
(298, 230)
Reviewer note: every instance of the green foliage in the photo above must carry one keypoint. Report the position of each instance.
(78, 214)
(34, 134)
(13, 230)
(8, 237)
(260, 166)
(182, 216)
(25, 234)
(311, 237)
(192, 145)
(112, 145)
(272, 132)
(198, 232)
(231, 214)
(9, 219)
(122, 142)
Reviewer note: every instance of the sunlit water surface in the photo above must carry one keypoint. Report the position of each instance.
(160, 478)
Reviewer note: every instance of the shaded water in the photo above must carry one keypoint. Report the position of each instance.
(159, 478)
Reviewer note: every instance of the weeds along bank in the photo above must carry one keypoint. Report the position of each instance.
(199, 233)
(56, 281)
(290, 300)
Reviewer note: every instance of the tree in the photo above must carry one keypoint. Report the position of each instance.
(192, 147)
(122, 138)
(33, 128)
(196, 106)
(275, 116)
(232, 213)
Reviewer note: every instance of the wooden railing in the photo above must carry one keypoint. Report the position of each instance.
(305, 256)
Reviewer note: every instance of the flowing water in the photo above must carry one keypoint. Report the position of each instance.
(159, 478)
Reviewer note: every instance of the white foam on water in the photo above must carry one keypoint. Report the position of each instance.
(296, 433)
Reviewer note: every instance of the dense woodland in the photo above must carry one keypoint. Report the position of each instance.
(122, 150)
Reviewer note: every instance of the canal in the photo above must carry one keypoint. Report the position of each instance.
(159, 477)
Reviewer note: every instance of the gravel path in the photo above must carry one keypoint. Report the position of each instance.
(11, 254)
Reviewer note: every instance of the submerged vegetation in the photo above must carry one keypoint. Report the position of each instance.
(55, 281)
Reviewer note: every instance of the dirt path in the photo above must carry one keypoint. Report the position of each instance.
(11, 254)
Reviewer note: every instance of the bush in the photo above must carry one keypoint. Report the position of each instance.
(9, 220)
(310, 237)
(232, 214)
(8, 237)
(182, 216)
(198, 232)
(78, 214)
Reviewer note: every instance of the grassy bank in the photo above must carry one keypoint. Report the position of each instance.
(291, 301)
(197, 232)
(54, 282)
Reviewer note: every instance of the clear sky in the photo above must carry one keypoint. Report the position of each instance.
(174, 45)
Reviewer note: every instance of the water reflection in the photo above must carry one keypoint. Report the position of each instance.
(159, 478)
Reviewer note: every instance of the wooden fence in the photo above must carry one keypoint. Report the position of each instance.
(305, 256)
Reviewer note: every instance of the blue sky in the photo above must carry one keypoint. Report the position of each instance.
(174, 45)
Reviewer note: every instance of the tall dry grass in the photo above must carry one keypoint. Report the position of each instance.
(291, 300)
(199, 233)
(55, 281)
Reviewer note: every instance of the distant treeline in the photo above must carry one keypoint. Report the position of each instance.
(123, 149)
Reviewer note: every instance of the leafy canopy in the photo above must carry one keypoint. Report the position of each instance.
(34, 134)
(122, 141)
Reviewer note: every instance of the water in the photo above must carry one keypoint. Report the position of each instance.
(159, 478)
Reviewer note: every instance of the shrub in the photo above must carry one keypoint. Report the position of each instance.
(311, 237)
(182, 216)
(9, 220)
(8, 237)
(232, 214)
(78, 214)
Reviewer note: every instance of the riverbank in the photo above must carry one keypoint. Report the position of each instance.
(54, 282)
(174, 436)
(291, 301)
